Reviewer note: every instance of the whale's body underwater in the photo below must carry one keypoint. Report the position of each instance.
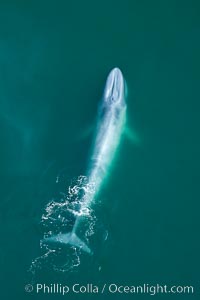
(111, 121)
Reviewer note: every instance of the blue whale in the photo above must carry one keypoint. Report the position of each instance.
(110, 125)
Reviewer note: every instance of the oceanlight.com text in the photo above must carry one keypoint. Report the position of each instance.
(111, 288)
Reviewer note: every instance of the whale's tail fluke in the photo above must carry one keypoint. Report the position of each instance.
(68, 238)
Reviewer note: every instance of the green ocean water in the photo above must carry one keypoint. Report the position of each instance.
(54, 60)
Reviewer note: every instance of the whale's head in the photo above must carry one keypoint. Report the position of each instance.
(114, 92)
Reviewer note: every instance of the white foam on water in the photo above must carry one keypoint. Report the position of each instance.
(57, 218)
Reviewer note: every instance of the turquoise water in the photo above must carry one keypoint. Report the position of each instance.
(54, 59)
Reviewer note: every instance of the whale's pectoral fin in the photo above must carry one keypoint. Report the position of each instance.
(68, 238)
(132, 136)
(86, 132)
